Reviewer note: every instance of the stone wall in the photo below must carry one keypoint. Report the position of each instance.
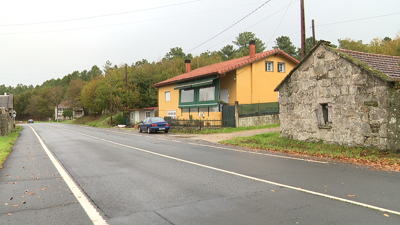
(394, 120)
(6, 122)
(258, 120)
(330, 98)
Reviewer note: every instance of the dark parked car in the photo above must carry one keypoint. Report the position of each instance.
(30, 121)
(154, 124)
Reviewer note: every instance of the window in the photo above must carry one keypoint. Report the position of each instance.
(269, 66)
(324, 115)
(281, 67)
(131, 115)
(167, 96)
(187, 95)
(147, 113)
(171, 113)
(207, 94)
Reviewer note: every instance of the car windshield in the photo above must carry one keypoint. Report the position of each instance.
(157, 119)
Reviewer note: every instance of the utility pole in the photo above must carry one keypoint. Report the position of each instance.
(111, 104)
(126, 76)
(303, 30)
(313, 32)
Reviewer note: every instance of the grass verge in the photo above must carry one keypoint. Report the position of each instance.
(361, 156)
(93, 121)
(6, 143)
(224, 130)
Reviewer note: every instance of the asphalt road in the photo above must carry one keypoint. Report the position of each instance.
(132, 178)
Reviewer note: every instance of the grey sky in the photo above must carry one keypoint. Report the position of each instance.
(34, 47)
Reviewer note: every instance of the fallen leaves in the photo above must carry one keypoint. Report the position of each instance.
(32, 193)
(350, 195)
(386, 215)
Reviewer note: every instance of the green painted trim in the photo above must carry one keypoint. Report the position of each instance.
(203, 82)
(195, 83)
(196, 102)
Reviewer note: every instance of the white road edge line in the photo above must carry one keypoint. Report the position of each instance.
(91, 211)
(249, 177)
(258, 153)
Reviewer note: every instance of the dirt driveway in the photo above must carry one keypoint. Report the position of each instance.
(225, 136)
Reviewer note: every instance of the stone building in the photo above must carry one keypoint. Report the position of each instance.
(6, 113)
(342, 97)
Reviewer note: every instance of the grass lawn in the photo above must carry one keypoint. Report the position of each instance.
(361, 156)
(6, 143)
(224, 130)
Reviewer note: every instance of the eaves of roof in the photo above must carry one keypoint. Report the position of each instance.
(148, 108)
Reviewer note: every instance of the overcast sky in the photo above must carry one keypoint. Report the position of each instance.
(45, 39)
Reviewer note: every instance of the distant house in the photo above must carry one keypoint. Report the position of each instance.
(138, 115)
(59, 111)
(342, 97)
(199, 93)
(6, 113)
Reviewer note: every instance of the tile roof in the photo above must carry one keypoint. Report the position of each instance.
(64, 105)
(223, 67)
(384, 63)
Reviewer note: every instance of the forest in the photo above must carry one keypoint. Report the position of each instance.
(132, 84)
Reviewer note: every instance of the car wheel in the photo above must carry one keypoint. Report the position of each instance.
(148, 130)
(166, 131)
(140, 130)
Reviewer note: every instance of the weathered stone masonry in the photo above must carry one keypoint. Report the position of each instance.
(332, 99)
(6, 122)
(394, 120)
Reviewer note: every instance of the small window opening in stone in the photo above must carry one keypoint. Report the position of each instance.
(325, 112)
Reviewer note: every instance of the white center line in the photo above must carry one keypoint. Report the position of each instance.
(91, 211)
(245, 176)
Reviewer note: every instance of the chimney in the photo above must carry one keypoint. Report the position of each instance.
(252, 49)
(187, 65)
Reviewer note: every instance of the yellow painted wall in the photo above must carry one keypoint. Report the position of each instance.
(254, 84)
(243, 84)
(228, 82)
(163, 106)
(264, 82)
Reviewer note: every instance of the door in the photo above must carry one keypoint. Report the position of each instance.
(228, 116)
(224, 95)
(137, 116)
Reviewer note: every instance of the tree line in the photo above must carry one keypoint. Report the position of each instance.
(132, 84)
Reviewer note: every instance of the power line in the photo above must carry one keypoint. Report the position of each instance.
(251, 26)
(365, 18)
(229, 27)
(100, 16)
(119, 24)
(279, 23)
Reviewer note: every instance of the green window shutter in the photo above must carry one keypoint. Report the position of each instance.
(203, 82)
(183, 85)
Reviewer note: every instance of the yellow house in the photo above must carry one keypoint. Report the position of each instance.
(250, 79)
